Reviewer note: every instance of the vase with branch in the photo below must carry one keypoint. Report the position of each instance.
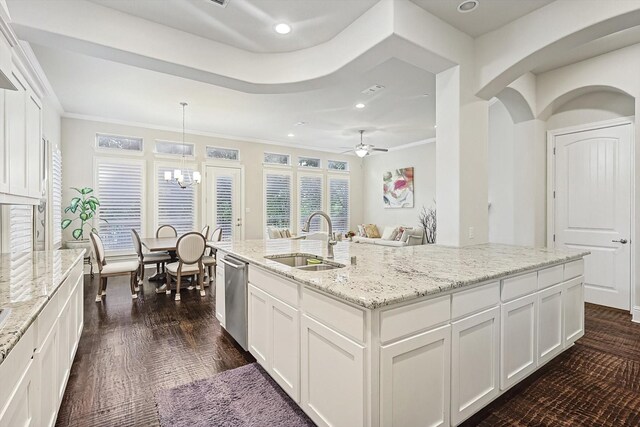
(427, 219)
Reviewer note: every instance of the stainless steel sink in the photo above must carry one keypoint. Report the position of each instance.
(301, 262)
(297, 260)
(320, 267)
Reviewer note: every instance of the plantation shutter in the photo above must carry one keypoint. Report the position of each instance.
(20, 228)
(56, 197)
(176, 206)
(120, 192)
(310, 200)
(278, 200)
(224, 206)
(339, 203)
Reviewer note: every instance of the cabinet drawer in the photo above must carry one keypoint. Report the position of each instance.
(413, 318)
(276, 286)
(16, 363)
(519, 286)
(573, 269)
(474, 300)
(550, 276)
(343, 318)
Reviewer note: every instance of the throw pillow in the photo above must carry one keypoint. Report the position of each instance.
(389, 233)
(372, 231)
(287, 233)
(361, 231)
(399, 232)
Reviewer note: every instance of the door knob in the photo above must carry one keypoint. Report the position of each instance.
(622, 241)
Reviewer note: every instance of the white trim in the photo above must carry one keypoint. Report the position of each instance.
(412, 144)
(48, 91)
(551, 181)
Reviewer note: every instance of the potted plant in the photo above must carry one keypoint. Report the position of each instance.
(349, 235)
(83, 208)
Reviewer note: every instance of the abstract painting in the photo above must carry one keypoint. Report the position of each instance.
(397, 188)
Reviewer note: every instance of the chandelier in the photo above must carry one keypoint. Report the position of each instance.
(178, 175)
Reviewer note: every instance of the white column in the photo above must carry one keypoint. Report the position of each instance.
(461, 160)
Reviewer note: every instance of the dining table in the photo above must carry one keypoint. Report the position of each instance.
(165, 244)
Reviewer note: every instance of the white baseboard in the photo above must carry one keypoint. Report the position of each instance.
(635, 314)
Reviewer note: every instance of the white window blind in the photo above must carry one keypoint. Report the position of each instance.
(310, 200)
(278, 200)
(175, 206)
(119, 188)
(224, 206)
(56, 197)
(339, 203)
(20, 228)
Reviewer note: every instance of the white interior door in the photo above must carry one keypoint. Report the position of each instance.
(593, 208)
(224, 206)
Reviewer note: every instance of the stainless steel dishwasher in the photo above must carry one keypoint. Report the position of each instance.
(235, 299)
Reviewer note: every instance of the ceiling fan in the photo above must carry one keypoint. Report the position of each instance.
(363, 149)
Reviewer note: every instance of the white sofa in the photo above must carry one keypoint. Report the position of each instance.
(416, 238)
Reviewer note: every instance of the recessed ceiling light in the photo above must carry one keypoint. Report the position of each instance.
(290, 135)
(468, 6)
(283, 28)
(360, 106)
(435, 126)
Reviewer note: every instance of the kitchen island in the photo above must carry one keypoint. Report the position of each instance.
(41, 320)
(420, 335)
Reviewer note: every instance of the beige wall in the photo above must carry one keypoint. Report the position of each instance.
(423, 159)
(78, 151)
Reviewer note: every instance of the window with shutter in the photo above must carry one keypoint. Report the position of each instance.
(20, 228)
(56, 197)
(277, 199)
(339, 203)
(175, 206)
(119, 187)
(224, 206)
(310, 200)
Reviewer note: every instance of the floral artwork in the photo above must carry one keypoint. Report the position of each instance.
(397, 188)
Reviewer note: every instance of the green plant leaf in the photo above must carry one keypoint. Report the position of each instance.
(77, 233)
(86, 190)
(73, 206)
(84, 216)
(67, 209)
(77, 189)
(65, 223)
(92, 205)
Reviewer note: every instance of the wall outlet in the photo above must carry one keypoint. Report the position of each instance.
(471, 233)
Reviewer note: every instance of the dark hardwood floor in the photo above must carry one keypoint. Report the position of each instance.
(131, 349)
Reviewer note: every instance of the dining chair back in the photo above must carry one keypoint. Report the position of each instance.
(205, 232)
(216, 236)
(159, 259)
(137, 243)
(190, 250)
(123, 268)
(166, 231)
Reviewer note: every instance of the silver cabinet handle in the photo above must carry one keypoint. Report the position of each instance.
(237, 267)
(622, 241)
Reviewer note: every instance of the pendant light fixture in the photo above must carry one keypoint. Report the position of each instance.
(178, 175)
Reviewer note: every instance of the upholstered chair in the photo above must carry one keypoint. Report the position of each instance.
(190, 250)
(160, 258)
(209, 261)
(113, 269)
(205, 232)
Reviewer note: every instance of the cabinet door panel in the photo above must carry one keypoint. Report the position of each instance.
(220, 305)
(518, 340)
(475, 348)
(33, 139)
(284, 325)
(550, 323)
(333, 367)
(20, 410)
(48, 362)
(15, 130)
(63, 349)
(4, 148)
(415, 380)
(573, 309)
(258, 334)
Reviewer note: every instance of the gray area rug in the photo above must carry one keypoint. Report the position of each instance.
(241, 397)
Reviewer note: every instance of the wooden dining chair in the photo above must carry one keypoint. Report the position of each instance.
(111, 270)
(159, 259)
(205, 232)
(209, 261)
(190, 249)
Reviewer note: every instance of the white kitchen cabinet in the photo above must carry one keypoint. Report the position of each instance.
(15, 124)
(573, 310)
(47, 359)
(332, 380)
(274, 339)
(4, 148)
(258, 330)
(518, 341)
(475, 360)
(22, 410)
(415, 382)
(550, 324)
(33, 137)
(220, 305)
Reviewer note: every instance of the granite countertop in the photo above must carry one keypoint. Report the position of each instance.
(27, 282)
(386, 275)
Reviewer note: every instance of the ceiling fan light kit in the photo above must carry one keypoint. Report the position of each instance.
(363, 149)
